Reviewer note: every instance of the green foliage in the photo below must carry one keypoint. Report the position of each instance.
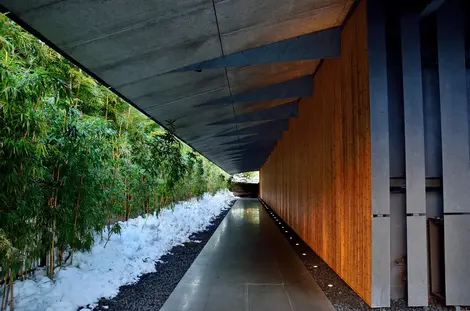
(75, 158)
(249, 177)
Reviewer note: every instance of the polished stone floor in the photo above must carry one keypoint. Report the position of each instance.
(247, 265)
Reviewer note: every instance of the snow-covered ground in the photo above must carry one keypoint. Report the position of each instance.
(101, 272)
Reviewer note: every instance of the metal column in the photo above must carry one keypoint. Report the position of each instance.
(417, 267)
(455, 150)
(380, 167)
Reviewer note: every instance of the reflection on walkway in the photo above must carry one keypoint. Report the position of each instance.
(250, 214)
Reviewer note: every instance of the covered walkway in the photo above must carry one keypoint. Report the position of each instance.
(355, 112)
(247, 265)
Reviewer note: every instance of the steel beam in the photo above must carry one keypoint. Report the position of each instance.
(250, 148)
(299, 87)
(271, 126)
(261, 139)
(315, 45)
(432, 7)
(285, 111)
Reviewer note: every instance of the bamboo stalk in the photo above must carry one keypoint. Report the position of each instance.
(52, 250)
(77, 206)
(37, 102)
(49, 264)
(125, 200)
(4, 307)
(128, 199)
(12, 298)
(107, 240)
(109, 220)
(4, 298)
(7, 295)
(106, 114)
(24, 264)
(65, 120)
(54, 206)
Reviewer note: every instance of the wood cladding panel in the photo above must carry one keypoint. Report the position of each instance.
(318, 177)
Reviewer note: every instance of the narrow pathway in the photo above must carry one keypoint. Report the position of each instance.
(247, 265)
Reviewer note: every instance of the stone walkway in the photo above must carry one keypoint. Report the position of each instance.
(247, 265)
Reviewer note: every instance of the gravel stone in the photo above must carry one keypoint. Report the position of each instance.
(153, 289)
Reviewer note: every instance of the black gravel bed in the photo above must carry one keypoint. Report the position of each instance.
(340, 294)
(153, 289)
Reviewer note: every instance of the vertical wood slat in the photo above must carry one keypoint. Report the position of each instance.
(318, 177)
(417, 268)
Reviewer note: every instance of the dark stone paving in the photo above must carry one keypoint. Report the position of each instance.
(153, 289)
(247, 265)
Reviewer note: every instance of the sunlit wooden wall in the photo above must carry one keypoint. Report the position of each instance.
(318, 177)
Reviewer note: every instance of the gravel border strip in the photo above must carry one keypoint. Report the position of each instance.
(153, 289)
(340, 294)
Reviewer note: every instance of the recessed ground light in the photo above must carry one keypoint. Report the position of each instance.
(282, 227)
(304, 254)
(286, 231)
(297, 244)
(330, 285)
(290, 238)
(315, 266)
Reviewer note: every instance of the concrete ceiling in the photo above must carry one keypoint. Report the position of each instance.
(229, 73)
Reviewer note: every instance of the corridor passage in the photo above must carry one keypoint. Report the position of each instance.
(247, 265)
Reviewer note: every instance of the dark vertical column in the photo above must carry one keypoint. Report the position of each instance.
(455, 150)
(380, 163)
(417, 268)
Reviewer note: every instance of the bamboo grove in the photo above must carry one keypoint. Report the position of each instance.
(75, 158)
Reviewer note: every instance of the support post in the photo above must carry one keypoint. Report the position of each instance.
(380, 158)
(455, 150)
(416, 235)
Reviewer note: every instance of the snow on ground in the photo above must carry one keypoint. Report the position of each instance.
(101, 272)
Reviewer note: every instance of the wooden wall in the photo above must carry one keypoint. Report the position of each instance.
(318, 177)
